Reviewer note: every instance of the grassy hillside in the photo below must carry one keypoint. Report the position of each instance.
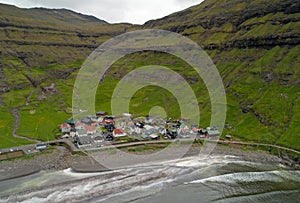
(254, 44)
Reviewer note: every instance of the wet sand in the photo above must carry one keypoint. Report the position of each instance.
(61, 158)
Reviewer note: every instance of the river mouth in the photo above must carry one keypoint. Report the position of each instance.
(219, 178)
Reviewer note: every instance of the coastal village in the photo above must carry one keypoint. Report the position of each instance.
(98, 130)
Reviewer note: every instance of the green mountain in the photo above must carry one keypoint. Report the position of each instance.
(254, 44)
(46, 18)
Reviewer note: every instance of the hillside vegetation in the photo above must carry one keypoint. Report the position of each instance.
(254, 44)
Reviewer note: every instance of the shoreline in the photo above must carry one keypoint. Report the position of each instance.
(61, 158)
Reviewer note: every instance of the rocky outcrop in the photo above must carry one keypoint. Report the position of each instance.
(3, 84)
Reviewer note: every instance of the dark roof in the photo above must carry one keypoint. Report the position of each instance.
(85, 140)
(101, 113)
(71, 122)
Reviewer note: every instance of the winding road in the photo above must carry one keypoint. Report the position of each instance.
(17, 116)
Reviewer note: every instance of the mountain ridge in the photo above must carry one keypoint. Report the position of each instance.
(56, 15)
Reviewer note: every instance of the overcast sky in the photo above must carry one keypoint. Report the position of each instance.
(113, 11)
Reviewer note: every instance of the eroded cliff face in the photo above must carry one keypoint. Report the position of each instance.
(221, 24)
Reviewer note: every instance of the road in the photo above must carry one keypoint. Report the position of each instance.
(73, 148)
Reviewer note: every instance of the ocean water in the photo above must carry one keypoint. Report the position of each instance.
(191, 179)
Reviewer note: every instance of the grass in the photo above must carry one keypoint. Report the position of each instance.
(249, 90)
(6, 128)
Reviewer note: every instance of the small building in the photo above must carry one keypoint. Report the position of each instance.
(94, 119)
(71, 122)
(101, 114)
(109, 127)
(87, 120)
(139, 124)
(228, 137)
(135, 130)
(162, 130)
(91, 129)
(65, 128)
(109, 137)
(154, 136)
(41, 146)
(79, 126)
(149, 120)
(81, 132)
(198, 131)
(148, 127)
(72, 134)
(108, 119)
(119, 133)
(98, 139)
(213, 132)
(127, 114)
(85, 140)
(145, 137)
(184, 132)
(65, 136)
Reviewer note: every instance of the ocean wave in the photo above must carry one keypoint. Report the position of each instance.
(273, 176)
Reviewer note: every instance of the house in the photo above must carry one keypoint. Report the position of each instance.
(94, 119)
(91, 129)
(184, 132)
(148, 127)
(145, 137)
(198, 131)
(65, 136)
(121, 125)
(213, 132)
(150, 130)
(86, 120)
(81, 132)
(71, 122)
(135, 130)
(149, 120)
(101, 114)
(65, 128)
(228, 137)
(127, 114)
(119, 133)
(72, 134)
(109, 126)
(80, 126)
(172, 133)
(162, 130)
(108, 119)
(154, 136)
(85, 140)
(109, 137)
(98, 139)
(139, 124)
(109, 123)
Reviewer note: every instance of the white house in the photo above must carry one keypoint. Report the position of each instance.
(119, 133)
